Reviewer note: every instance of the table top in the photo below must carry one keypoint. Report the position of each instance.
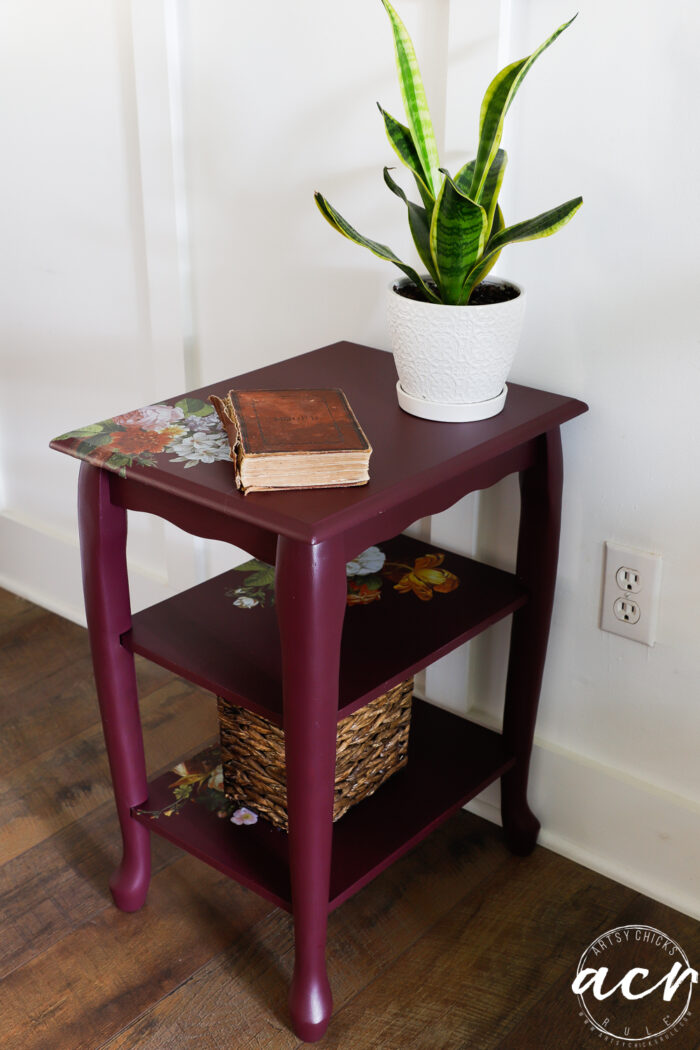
(178, 446)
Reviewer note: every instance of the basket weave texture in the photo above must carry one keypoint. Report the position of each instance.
(372, 744)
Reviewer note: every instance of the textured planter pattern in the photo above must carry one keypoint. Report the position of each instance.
(454, 354)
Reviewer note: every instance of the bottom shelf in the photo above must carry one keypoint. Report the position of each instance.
(450, 760)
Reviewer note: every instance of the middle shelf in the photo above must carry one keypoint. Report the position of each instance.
(223, 634)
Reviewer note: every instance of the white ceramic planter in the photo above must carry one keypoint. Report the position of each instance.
(453, 361)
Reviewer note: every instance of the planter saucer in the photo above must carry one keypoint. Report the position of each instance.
(458, 412)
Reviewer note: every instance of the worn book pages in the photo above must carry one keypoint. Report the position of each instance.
(293, 439)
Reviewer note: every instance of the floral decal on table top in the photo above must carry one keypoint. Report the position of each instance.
(189, 432)
(365, 574)
(201, 779)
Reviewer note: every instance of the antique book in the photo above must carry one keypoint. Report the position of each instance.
(293, 439)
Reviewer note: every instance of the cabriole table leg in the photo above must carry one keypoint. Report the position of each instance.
(106, 589)
(311, 593)
(538, 551)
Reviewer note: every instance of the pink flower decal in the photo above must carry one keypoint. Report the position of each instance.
(152, 417)
(244, 816)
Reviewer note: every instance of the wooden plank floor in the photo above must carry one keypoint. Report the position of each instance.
(459, 945)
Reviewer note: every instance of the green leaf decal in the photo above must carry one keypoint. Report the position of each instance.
(119, 459)
(192, 406)
(337, 221)
(263, 577)
(89, 431)
(99, 439)
(415, 102)
(85, 448)
(457, 238)
(252, 565)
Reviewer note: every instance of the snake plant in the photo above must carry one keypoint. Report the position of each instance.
(458, 228)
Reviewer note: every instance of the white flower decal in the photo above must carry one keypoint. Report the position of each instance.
(368, 562)
(244, 816)
(246, 603)
(199, 448)
(216, 780)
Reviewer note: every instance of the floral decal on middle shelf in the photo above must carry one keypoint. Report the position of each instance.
(365, 574)
(364, 579)
(423, 577)
(258, 587)
(188, 432)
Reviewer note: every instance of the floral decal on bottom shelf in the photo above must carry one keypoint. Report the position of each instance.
(189, 432)
(365, 574)
(201, 779)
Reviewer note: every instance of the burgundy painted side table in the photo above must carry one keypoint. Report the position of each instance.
(302, 669)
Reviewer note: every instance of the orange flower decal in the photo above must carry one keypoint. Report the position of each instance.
(136, 440)
(362, 593)
(426, 576)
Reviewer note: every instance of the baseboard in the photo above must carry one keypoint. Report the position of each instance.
(634, 832)
(43, 565)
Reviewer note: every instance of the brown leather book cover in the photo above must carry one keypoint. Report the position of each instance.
(314, 432)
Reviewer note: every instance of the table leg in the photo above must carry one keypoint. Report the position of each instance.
(106, 589)
(538, 550)
(311, 593)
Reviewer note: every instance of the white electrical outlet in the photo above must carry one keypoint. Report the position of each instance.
(631, 586)
(628, 579)
(626, 610)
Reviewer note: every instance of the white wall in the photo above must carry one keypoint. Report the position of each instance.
(159, 232)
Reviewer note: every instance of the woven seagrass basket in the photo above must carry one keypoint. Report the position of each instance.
(372, 744)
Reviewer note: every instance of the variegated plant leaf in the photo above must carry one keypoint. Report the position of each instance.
(491, 188)
(497, 100)
(400, 138)
(488, 260)
(543, 225)
(464, 177)
(415, 102)
(457, 239)
(419, 224)
(340, 224)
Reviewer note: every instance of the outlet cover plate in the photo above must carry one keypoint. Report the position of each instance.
(644, 570)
